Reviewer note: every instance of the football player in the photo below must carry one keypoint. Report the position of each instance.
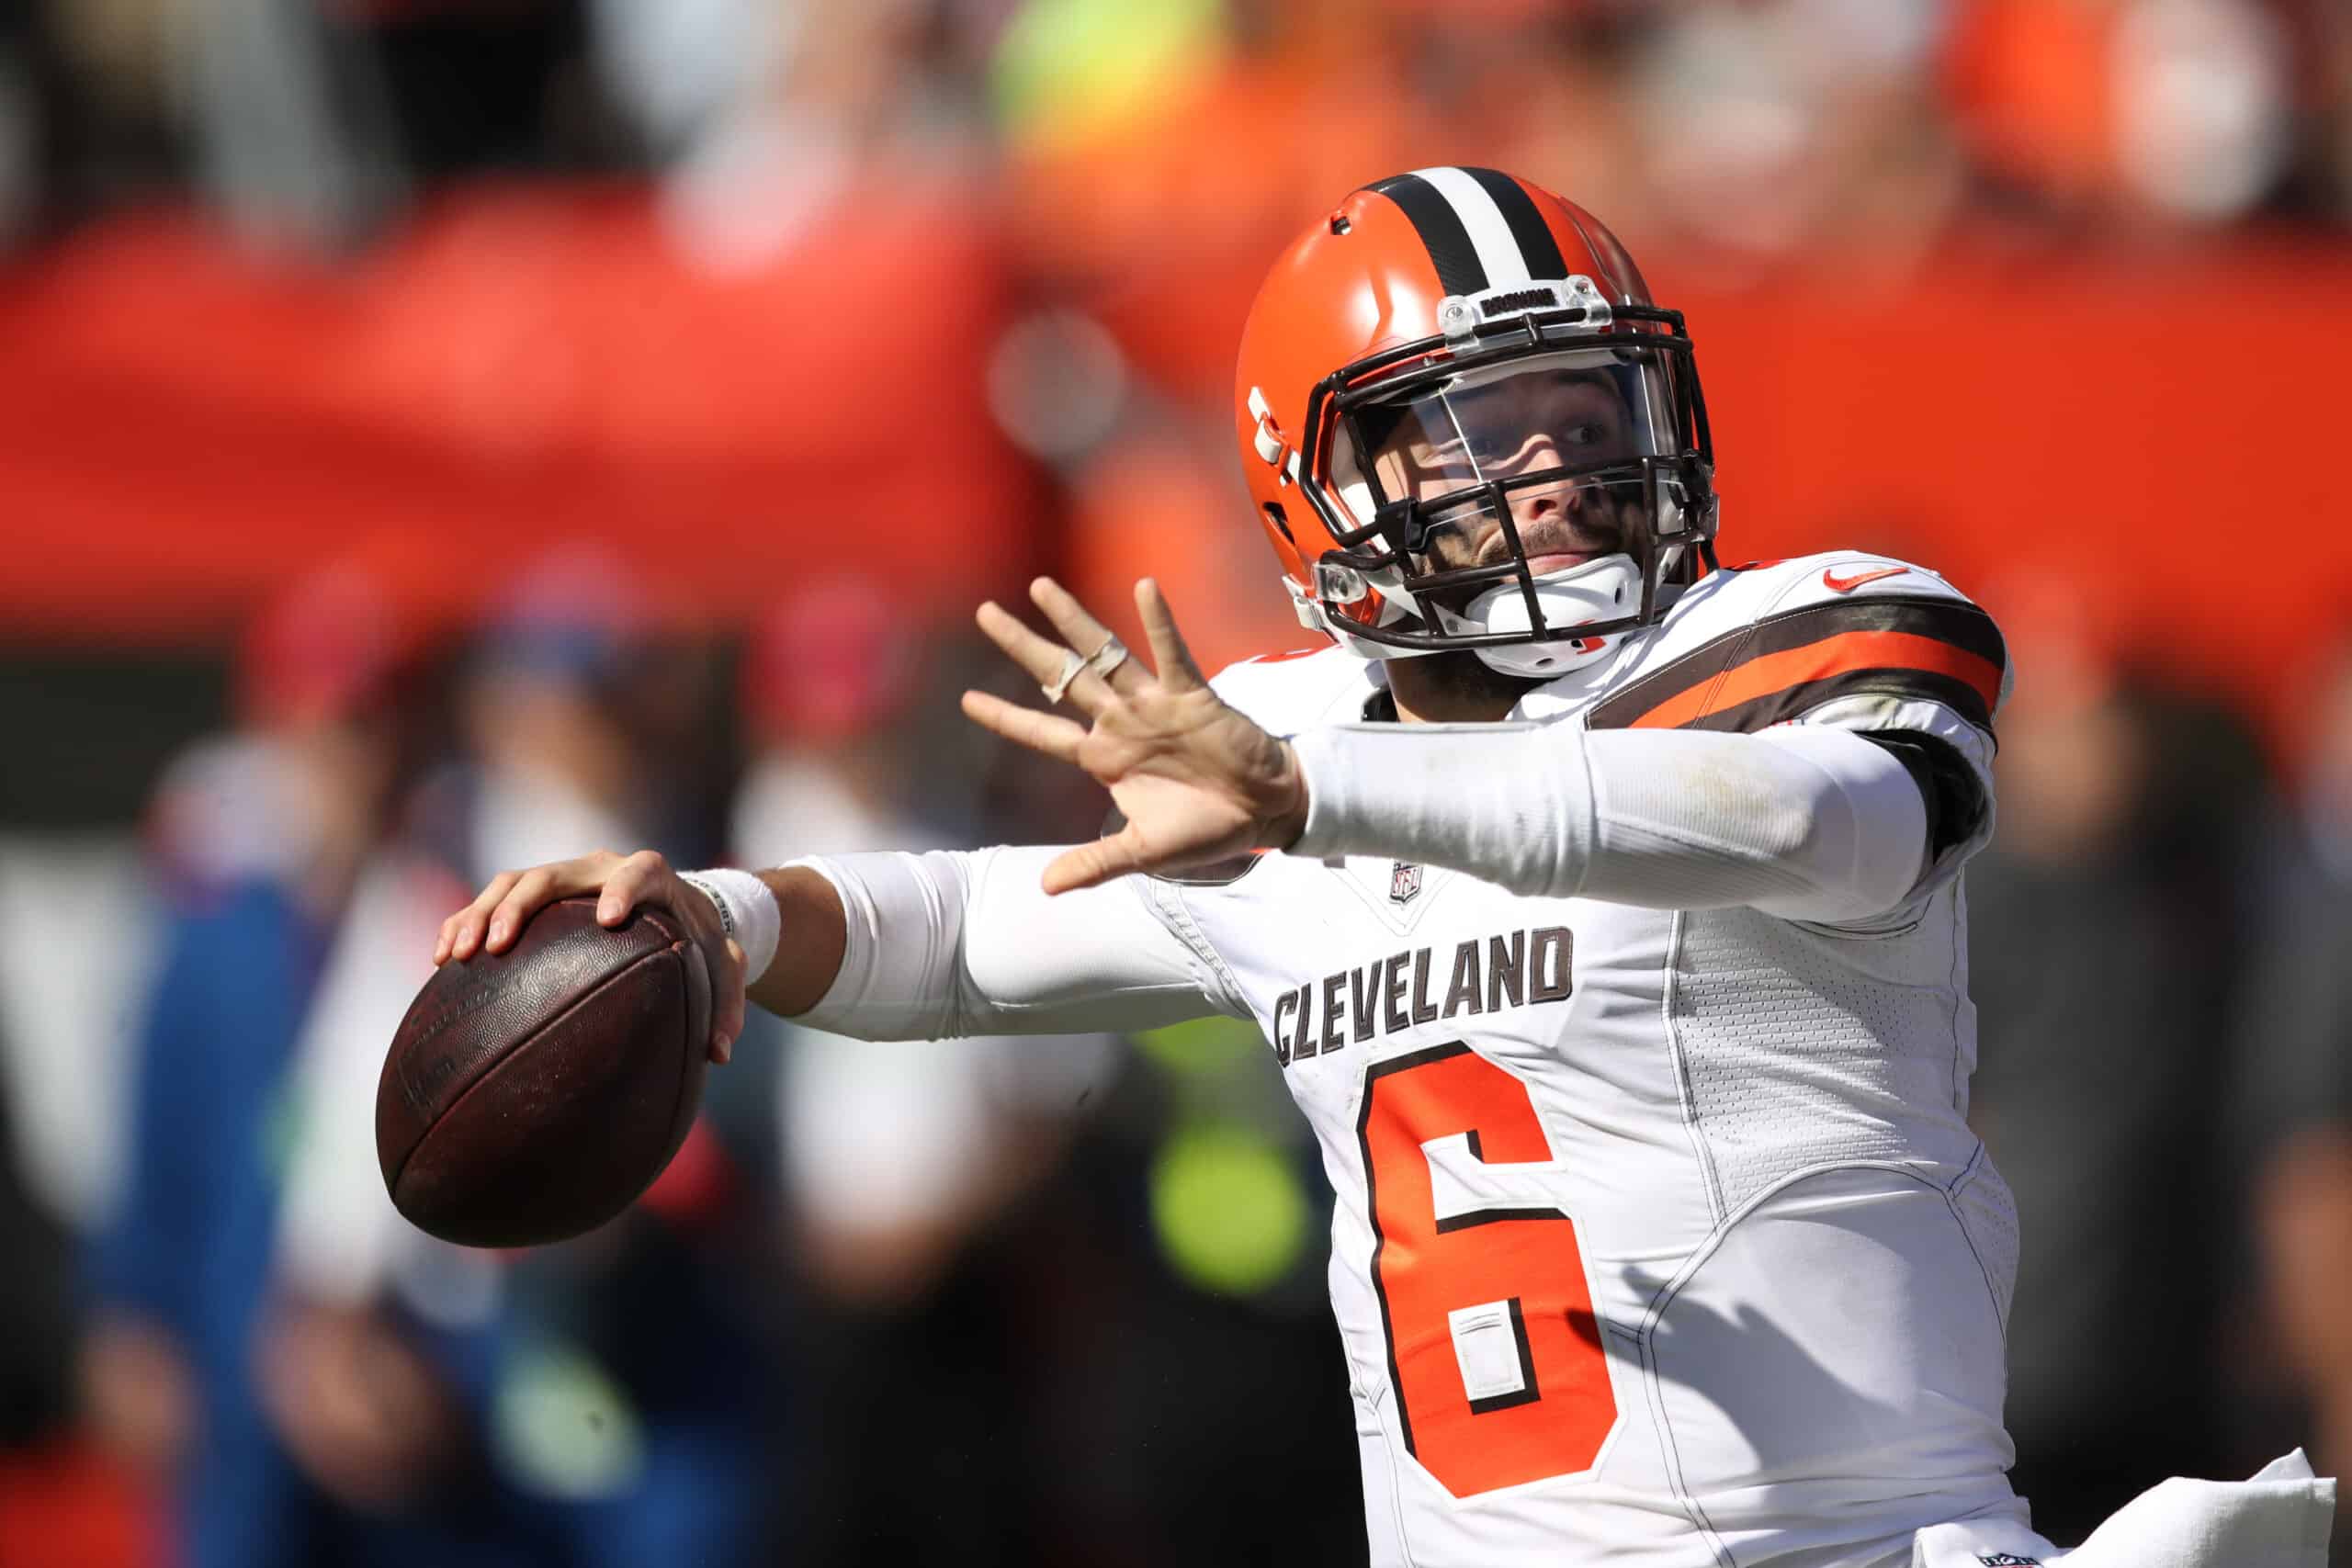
(1601, 902)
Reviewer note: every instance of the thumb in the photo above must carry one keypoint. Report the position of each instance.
(726, 1026)
(1091, 865)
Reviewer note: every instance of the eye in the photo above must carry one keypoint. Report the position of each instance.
(1588, 434)
(1494, 445)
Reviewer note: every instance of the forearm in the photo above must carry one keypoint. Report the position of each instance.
(816, 934)
(1818, 825)
(906, 946)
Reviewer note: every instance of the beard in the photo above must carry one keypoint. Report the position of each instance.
(1455, 682)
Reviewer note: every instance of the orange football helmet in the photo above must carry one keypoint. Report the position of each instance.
(1466, 424)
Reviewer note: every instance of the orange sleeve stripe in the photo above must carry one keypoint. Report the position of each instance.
(1847, 651)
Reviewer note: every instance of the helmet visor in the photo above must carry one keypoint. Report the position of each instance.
(1575, 411)
(1564, 433)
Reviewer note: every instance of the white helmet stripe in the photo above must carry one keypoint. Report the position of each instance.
(1490, 233)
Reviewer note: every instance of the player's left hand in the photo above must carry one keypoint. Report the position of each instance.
(1197, 781)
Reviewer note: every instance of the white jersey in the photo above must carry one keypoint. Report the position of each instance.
(1660, 1235)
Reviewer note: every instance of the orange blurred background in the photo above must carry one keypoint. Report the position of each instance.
(2141, 434)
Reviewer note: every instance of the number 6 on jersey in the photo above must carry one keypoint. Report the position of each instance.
(1492, 1349)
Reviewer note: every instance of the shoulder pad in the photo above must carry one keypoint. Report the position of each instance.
(1833, 575)
(1285, 692)
(1761, 645)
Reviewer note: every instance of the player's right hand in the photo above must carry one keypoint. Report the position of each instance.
(495, 918)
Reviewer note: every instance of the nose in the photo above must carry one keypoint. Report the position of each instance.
(1529, 506)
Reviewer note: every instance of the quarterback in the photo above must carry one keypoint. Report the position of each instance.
(1600, 901)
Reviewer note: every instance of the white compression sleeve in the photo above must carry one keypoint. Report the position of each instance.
(1810, 824)
(955, 944)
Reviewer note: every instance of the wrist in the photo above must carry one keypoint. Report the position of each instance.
(1289, 818)
(1325, 787)
(748, 913)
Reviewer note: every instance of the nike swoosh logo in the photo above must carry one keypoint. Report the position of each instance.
(1837, 584)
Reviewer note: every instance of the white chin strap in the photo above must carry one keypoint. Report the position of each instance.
(1606, 589)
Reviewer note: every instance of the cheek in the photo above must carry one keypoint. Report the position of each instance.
(1450, 549)
(1459, 545)
(1626, 506)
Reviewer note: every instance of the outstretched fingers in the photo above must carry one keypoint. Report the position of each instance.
(1042, 660)
(1177, 671)
(1051, 733)
(1083, 632)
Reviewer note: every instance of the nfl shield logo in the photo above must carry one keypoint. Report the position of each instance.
(1403, 882)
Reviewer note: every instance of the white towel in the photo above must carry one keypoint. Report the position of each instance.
(2278, 1520)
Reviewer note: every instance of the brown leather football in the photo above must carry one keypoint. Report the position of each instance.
(531, 1095)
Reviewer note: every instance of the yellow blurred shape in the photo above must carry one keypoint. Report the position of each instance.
(1201, 1044)
(1071, 70)
(1228, 1208)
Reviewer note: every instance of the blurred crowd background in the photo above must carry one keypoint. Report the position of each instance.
(442, 434)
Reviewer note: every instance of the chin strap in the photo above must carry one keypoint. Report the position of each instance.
(1603, 589)
(1597, 590)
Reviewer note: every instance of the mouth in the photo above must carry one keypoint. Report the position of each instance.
(1553, 545)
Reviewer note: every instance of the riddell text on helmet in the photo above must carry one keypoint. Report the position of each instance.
(1391, 995)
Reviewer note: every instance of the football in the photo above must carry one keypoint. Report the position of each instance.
(530, 1096)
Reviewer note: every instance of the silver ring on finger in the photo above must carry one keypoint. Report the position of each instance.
(1107, 658)
(1072, 666)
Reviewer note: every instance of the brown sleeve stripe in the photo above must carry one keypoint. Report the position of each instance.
(1961, 696)
(1937, 648)
(1893, 657)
